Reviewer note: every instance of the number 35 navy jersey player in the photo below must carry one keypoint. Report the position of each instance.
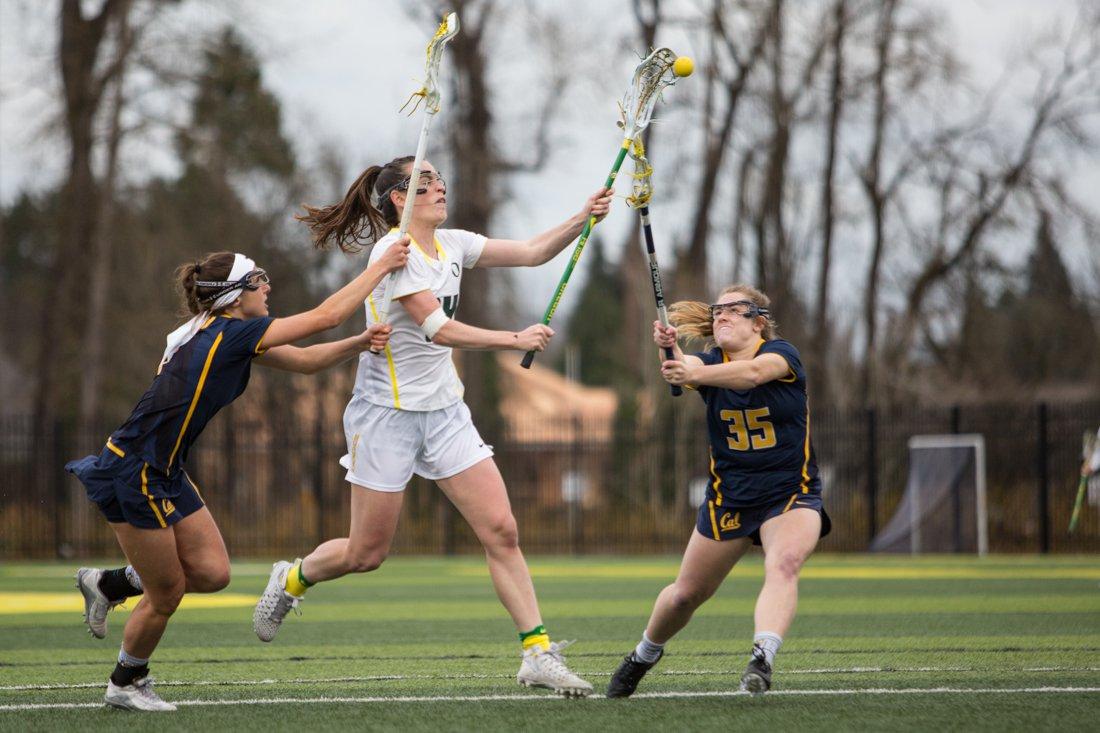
(763, 486)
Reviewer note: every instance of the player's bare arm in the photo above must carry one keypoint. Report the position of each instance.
(317, 358)
(423, 305)
(544, 247)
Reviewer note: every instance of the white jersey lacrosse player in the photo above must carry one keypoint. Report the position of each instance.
(412, 391)
(406, 414)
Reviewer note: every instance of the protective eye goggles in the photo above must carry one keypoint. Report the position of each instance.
(251, 281)
(427, 178)
(743, 308)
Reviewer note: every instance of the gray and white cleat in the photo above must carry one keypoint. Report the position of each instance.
(138, 695)
(547, 668)
(274, 604)
(96, 604)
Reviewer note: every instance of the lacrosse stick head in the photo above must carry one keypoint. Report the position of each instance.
(651, 76)
(429, 92)
(447, 30)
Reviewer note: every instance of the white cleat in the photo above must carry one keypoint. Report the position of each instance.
(546, 668)
(138, 695)
(274, 604)
(96, 605)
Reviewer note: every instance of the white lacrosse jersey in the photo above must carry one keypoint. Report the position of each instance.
(413, 373)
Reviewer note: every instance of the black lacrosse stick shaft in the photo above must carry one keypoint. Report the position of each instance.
(658, 291)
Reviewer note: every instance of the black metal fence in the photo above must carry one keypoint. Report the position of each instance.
(576, 487)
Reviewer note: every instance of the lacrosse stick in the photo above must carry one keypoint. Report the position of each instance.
(429, 95)
(641, 193)
(658, 70)
(1090, 464)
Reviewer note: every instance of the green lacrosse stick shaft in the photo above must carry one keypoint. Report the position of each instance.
(529, 357)
(1081, 486)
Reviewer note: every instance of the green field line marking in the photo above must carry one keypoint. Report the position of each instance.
(547, 697)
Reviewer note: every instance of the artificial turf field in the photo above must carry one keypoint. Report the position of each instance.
(934, 643)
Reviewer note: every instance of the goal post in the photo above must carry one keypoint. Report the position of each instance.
(943, 508)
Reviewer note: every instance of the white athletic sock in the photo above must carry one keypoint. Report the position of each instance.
(128, 660)
(647, 651)
(134, 578)
(768, 643)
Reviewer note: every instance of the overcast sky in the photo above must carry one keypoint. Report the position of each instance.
(342, 68)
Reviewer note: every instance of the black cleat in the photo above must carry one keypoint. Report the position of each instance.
(629, 674)
(757, 678)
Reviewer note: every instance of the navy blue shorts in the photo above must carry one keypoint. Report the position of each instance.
(729, 522)
(127, 489)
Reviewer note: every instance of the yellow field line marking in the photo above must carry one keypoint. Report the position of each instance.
(16, 603)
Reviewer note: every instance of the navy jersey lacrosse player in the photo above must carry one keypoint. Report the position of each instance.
(139, 477)
(761, 458)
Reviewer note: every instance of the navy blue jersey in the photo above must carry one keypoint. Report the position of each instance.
(206, 374)
(760, 438)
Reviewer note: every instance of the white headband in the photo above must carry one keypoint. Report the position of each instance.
(241, 266)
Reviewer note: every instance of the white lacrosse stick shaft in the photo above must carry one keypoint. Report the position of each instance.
(406, 213)
(447, 30)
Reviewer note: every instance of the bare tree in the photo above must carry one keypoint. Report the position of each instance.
(728, 73)
(821, 332)
(874, 186)
(84, 77)
(479, 164)
(1062, 100)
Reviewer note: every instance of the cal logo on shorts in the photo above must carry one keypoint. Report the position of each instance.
(167, 506)
(729, 522)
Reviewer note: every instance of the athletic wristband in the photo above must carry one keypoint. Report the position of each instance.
(435, 321)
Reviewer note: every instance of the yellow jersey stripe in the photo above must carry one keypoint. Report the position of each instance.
(194, 400)
(717, 483)
(115, 449)
(389, 358)
(713, 521)
(793, 497)
(194, 486)
(440, 252)
(260, 348)
(145, 490)
(806, 455)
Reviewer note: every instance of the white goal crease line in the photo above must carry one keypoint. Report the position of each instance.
(471, 676)
(556, 698)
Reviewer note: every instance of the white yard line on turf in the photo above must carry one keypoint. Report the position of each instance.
(401, 677)
(550, 697)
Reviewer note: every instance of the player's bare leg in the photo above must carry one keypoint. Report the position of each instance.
(153, 552)
(788, 540)
(374, 516)
(481, 497)
(705, 565)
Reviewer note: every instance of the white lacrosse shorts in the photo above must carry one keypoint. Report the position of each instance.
(386, 445)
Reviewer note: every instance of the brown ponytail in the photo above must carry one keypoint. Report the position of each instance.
(355, 221)
(215, 266)
(692, 318)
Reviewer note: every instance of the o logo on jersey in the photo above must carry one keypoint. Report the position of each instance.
(455, 269)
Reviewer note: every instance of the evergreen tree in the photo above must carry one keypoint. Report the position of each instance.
(1057, 340)
(594, 324)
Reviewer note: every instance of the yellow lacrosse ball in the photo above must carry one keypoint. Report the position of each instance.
(683, 66)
